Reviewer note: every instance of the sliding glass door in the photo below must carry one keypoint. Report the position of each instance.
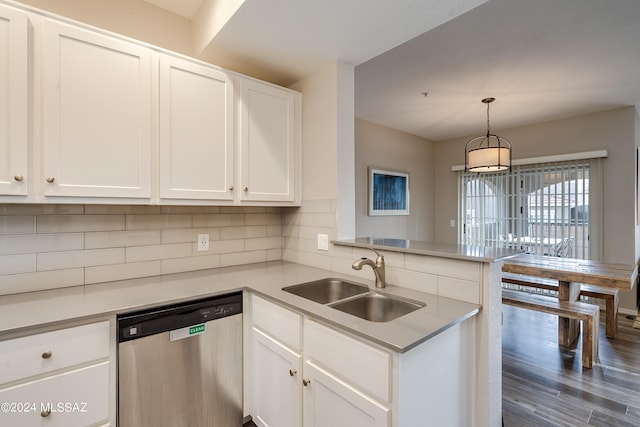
(542, 209)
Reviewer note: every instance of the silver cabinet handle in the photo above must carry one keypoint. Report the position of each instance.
(231, 188)
(292, 372)
(45, 413)
(306, 382)
(47, 354)
(19, 178)
(50, 179)
(245, 189)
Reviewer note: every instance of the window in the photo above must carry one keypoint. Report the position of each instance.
(542, 209)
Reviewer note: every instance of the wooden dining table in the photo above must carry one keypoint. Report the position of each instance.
(570, 273)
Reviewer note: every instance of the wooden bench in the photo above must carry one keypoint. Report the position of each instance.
(589, 314)
(609, 295)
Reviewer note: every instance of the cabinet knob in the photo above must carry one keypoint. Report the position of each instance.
(306, 382)
(292, 372)
(50, 179)
(45, 413)
(231, 188)
(19, 178)
(245, 189)
(47, 354)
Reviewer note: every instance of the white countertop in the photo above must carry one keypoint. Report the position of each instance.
(444, 250)
(32, 309)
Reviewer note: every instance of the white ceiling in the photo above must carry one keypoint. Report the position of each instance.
(184, 8)
(541, 60)
(285, 40)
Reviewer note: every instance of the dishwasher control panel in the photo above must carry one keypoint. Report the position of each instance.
(177, 316)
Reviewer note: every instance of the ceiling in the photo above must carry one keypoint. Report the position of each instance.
(185, 8)
(541, 60)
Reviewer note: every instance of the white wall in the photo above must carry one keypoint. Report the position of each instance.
(133, 18)
(328, 141)
(319, 134)
(385, 148)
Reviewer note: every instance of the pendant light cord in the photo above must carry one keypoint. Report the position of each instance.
(488, 123)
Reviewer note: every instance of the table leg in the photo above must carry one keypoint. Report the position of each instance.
(568, 329)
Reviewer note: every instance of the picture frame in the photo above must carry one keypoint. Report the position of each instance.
(388, 192)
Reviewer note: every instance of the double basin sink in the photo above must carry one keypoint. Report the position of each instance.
(357, 300)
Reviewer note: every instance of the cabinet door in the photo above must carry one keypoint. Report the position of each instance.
(52, 351)
(328, 401)
(276, 383)
(196, 131)
(74, 398)
(268, 139)
(97, 114)
(13, 101)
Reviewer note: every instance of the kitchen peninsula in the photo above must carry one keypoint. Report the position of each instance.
(61, 321)
(468, 273)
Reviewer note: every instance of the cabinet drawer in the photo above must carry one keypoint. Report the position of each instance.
(45, 352)
(277, 321)
(75, 398)
(360, 364)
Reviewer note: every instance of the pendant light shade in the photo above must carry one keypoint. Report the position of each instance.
(487, 153)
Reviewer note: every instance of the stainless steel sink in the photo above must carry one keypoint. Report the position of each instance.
(325, 291)
(377, 307)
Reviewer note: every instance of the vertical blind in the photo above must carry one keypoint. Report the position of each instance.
(544, 209)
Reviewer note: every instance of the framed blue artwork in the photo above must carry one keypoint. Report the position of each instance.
(388, 192)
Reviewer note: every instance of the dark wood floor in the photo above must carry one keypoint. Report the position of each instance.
(543, 385)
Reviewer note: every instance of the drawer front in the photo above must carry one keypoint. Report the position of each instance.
(74, 398)
(362, 365)
(49, 351)
(277, 321)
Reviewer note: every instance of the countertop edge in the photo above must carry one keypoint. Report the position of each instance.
(442, 250)
(54, 307)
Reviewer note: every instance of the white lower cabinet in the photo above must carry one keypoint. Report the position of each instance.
(332, 402)
(277, 394)
(75, 398)
(287, 392)
(64, 377)
(304, 372)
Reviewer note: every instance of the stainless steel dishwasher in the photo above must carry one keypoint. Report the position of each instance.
(181, 365)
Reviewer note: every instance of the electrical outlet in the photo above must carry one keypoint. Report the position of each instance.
(323, 242)
(203, 242)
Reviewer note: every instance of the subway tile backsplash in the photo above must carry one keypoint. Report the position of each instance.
(55, 246)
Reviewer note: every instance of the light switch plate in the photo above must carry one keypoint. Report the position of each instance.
(323, 242)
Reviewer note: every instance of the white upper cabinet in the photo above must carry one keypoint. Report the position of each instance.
(88, 116)
(269, 142)
(96, 114)
(14, 51)
(196, 131)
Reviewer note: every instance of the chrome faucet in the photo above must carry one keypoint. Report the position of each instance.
(377, 266)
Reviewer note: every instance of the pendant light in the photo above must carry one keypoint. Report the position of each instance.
(487, 153)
